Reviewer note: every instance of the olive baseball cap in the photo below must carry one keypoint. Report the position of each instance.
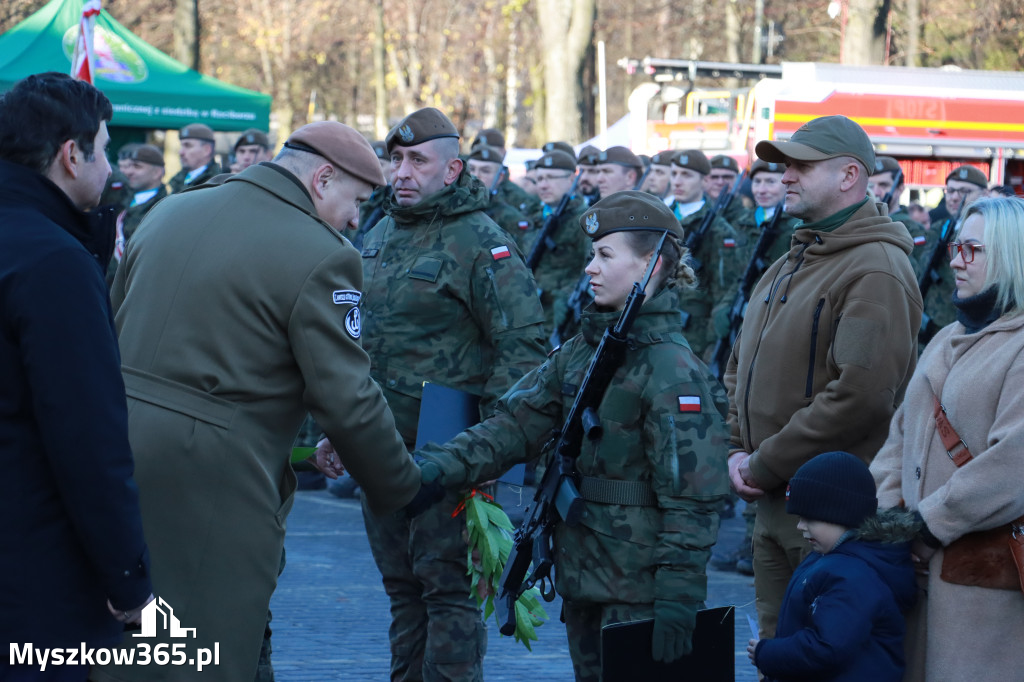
(253, 136)
(420, 126)
(342, 146)
(693, 159)
(197, 131)
(826, 137)
(969, 174)
(626, 211)
(762, 166)
(556, 159)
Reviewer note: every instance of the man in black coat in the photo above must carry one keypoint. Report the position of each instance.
(76, 566)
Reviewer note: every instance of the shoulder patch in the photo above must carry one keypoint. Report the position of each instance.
(353, 323)
(689, 403)
(920, 240)
(342, 296)
(499, 252)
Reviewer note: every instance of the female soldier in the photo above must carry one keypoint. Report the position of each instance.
(654, 481)
(970, 617)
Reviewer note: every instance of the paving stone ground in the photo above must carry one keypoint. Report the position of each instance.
(331, 613)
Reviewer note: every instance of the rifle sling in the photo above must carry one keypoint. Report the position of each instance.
(607, 491)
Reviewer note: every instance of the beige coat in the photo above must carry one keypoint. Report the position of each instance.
(962, 633)
(235, 313)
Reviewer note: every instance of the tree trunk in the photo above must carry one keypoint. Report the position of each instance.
(380, 118)
(913, 31)
(186, 33)
(863, 44)
(512, 83)
(567, 30)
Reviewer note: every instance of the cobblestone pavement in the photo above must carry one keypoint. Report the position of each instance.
(331, 613)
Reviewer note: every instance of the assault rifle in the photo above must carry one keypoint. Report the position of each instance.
(696, 238)
(932, 274)
(751, 274)
(545, 240)
(897, 179)
(557, 497)
(498, 179)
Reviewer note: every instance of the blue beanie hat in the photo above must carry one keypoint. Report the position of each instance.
(835, 487)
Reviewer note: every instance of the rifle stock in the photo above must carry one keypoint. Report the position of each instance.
(557, 497)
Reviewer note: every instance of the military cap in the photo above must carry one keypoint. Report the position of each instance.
(483, 152)
(645, 160)
(147, 153)
(588, 155)
(629, 210)
(197, 131)
(420, 126)
(380, 149)
(663, 158)
(969, 174)
(769, 167)
(885, 164)
(560, 146)
(125, 152)
(693, 159)
(531, 164)
(726, 162)
(490, 137)
(252, 136)
(557, 159)
(342, 146)
(826, 137)
(620, 156)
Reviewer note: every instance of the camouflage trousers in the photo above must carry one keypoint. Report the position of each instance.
(583, 623)
(437, 633)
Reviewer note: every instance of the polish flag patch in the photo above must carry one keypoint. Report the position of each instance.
(919, 240)
(729, 243)
(689, 403)
(499, 252)
(524, 225)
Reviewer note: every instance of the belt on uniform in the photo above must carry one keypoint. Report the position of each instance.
(607, 491)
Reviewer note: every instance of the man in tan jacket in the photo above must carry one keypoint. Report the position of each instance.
(237, 312)
(828, 341)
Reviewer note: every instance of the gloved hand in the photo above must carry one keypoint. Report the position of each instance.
(720, 321)
(674, 622)
(431, 488)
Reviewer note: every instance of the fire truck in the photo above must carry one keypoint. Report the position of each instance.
(931, 120)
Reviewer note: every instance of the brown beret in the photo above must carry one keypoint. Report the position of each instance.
(125, 152)
(969, 174)
(490, 137)
(252, 136)
(726, 162)
(381, 150)
(560, 146)
(761, 165)
(588, 155)
(693, 159)
(483, 152)
(420, 126)
(147, 153)
(620, 156)
(885, 164)
(197, 131)
(663, 158)
(557, 159)
(826, 137)
(342, 146)
(629, 210)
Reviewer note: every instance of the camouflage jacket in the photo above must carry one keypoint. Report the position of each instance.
(924, 240)
(560, 268)
(664, 425)
(938, 300)
(371, 212)
(518, 198)
(177, 183)
(510, 219)
(446, 299)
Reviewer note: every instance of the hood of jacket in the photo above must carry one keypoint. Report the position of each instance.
(659, 316)
(465, 195)
(868, 224)
(883, 542)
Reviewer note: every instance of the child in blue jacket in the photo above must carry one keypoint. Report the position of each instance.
(842, 616)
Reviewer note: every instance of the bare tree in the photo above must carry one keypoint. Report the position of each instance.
(567, 28)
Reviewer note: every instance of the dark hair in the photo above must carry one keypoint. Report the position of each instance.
(45, 110)
(674, 255)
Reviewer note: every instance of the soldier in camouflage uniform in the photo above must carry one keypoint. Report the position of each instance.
(508, 192)
(447, 299)
(485, 163)
(659, 176)
(712, 256)
(587, 161)
(641, 549)
(372, 210)
(560, 266)
(881, 183)
(724, 172)
(964, 185)
(196, 154)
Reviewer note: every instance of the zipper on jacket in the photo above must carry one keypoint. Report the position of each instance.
(814, 347)
(497, 298)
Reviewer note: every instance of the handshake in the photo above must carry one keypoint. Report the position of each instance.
(328, 461)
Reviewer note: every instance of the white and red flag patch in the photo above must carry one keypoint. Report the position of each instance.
(689, 403)
(524, 224)
(499, 252)
(729, 243)
(919, 240)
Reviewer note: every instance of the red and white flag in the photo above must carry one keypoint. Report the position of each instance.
(499, 252)
(83, 61)
(689, 403)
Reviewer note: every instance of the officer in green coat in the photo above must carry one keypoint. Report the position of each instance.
(196, 154)
(653, 481)
(447, 300)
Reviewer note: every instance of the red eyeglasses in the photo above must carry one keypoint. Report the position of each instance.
(965, 249)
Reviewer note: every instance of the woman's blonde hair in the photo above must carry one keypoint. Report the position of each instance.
(1004, 248)
(674, 255)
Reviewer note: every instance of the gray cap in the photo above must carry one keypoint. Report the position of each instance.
(827, 137)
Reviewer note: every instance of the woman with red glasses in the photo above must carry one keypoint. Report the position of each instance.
(955, 454)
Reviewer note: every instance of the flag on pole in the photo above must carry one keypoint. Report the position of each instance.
(84, 59)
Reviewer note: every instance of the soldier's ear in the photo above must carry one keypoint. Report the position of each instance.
(454, 169)
(322, 177)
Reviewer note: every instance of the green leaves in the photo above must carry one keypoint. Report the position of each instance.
(490, 542)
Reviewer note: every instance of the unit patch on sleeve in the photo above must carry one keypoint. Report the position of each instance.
(353, 323)
(689, 403)
(342, 296)
(500, 252)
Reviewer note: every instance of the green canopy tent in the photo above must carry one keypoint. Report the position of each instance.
(147, 88)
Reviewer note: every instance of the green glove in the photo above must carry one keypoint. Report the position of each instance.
(673, 629)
